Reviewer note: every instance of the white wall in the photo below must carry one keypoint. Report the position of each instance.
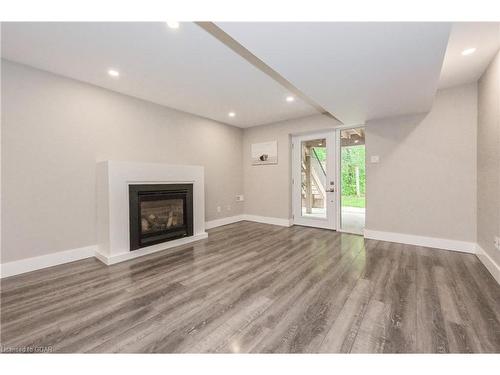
(267, 187)
(55, 129)
(488, 160)
(425, 183)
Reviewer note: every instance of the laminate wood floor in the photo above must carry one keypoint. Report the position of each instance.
(254, 287)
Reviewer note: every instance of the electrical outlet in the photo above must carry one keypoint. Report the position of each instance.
(240, 198)
(497, 243)
(219, 209)
(374, 159)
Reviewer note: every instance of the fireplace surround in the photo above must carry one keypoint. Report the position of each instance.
(114, 179)
(159, 213)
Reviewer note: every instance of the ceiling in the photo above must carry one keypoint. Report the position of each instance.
(185, 68)
(458, 69)
(354, 71)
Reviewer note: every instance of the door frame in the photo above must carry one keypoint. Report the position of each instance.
(338, 180)
(332, 169)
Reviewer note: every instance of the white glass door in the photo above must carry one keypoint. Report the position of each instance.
(313, 180)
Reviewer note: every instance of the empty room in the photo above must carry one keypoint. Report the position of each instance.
(250, 187)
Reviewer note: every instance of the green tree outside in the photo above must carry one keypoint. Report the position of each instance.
(353, 164)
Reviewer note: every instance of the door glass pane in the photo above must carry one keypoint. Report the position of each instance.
(352, 187)
(313, 180)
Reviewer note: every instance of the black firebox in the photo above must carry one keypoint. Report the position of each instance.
(159, 213)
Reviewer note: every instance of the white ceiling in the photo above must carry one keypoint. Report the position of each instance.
(356, 71)
(186, 68)
(458, 69)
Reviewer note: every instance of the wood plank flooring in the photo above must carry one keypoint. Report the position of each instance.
(254, 287)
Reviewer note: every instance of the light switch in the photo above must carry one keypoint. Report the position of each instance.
(374, 159)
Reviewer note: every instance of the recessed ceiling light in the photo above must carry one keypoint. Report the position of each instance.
(468, 51)
(113, 73)
(231, 114)
(173, 24)
(290, 99)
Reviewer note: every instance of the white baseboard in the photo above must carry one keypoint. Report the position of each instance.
(44, 261)
(268, 220)
(127, 255)
(410, 239)
(488, 262)
(224, 221)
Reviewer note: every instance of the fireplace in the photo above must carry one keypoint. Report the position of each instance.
(159, 213)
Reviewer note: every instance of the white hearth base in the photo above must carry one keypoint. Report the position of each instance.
(117, 258)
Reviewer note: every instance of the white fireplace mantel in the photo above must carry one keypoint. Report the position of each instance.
(113, 179)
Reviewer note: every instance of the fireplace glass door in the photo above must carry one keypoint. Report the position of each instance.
(159, 213)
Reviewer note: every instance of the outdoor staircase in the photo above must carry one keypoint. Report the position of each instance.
(317, 180)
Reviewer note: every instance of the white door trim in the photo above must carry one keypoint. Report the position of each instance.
(338, 177)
